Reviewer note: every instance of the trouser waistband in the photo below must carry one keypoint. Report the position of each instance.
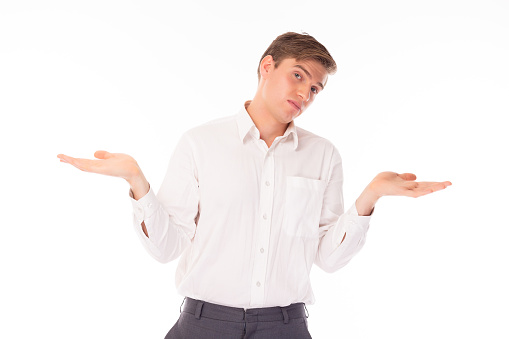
(219, 312)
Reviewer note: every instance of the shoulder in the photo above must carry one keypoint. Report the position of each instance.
(315, 144)
(212, 128)
(310, 139)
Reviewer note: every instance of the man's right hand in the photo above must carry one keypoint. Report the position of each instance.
(113, 164)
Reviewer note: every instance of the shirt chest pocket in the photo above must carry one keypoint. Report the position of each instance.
(303, 206)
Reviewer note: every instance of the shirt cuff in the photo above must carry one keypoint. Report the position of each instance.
(356, 222)
(144, 207)
(355, 212)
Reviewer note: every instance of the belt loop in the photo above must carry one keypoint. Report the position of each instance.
(307, 313)
(182, 304)
(197, 313)
(285, 315)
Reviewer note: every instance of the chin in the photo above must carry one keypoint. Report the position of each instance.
(288, 119)
(296, 116)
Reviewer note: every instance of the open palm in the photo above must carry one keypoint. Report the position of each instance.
(390, 183)
(113, 164)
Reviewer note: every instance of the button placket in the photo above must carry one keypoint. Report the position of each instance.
(266, 205)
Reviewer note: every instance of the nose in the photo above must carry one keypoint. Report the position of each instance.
(304, 93)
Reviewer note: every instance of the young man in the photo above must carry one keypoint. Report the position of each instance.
(249, 202)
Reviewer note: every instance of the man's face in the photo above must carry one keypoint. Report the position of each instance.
(291, 87)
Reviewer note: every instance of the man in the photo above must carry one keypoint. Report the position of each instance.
(249, 202)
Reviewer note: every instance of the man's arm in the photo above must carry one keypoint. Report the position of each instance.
(343, 233)
(117, 165)
(164, 228)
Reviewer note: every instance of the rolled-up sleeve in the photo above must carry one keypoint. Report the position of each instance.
(336, 224)
(170, 216)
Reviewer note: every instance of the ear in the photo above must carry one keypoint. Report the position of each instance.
(266, 66)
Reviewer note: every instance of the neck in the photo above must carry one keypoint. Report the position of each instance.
(269, 127)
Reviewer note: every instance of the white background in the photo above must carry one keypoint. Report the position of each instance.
(422, 87)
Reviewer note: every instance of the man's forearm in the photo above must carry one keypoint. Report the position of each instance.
(139, 186)
(366, 202)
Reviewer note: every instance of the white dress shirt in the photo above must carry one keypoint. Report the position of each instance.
(249, 221)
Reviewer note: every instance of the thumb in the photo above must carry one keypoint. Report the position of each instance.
(103, 155)
(408, 176)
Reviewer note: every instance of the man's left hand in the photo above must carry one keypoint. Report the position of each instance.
(390, 183)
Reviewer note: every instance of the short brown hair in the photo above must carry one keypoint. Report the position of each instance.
(300, 47)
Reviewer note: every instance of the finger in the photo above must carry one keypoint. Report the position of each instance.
(60, 156)
(103, 155)
(426, 184)
(76, 162)
(440, 186)
(408, 176)
(429, 187)
(85, 165)
(64, 158)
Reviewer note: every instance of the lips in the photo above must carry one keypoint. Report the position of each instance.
(294, 104)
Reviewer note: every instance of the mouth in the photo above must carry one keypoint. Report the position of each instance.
(294, 104)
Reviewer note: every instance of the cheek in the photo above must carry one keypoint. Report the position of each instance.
(276, 93)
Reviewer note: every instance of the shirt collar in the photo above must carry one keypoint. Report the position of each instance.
(246, 125)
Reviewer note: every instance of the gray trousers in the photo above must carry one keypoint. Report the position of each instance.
(202, 320)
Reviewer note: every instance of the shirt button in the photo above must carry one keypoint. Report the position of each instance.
(267, 183)
(149, 205)
(262, 250)
(258, 284)
(265, 216)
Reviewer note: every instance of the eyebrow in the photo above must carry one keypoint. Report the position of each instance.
(308, 74)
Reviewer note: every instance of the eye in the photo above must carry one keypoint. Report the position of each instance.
(297, 75)
(314, 90)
